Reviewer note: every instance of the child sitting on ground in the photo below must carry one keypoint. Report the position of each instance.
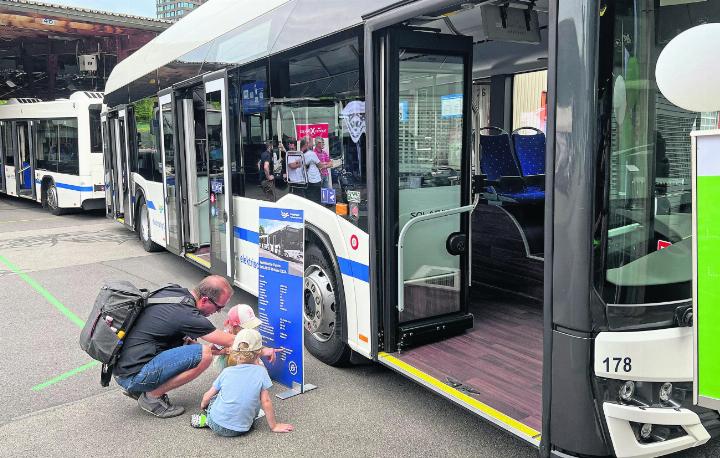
(235, 398)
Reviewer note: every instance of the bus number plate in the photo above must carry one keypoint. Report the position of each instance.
(618, 364)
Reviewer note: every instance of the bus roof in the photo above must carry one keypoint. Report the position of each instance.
(233, 32)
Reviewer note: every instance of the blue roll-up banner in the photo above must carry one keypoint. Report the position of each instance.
(280, 294)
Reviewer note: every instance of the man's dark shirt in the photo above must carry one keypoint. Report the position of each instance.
(266, 156)
(161, 327)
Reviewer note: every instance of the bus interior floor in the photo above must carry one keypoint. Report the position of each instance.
(498, 361)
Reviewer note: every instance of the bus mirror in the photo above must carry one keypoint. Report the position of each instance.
(686, 73)
(478, 183)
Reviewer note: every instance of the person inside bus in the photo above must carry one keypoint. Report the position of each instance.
(325, 159)
(266, 167)
(312, 167)
(295, 171)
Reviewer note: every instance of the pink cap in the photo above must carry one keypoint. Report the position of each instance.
(242, 315)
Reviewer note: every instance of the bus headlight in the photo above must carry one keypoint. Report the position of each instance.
(646, 431)
(627, 390)
(665, 391)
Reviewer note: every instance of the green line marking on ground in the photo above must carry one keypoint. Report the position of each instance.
(62, 309)
(67, 374)
(43, 292)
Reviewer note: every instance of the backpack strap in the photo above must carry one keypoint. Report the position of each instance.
(165, 300)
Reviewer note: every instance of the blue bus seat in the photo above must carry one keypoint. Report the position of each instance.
(530, 151)
(497, 158)
(503, 173)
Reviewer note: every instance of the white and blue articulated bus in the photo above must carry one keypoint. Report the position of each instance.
(506, 217)
(51, 152)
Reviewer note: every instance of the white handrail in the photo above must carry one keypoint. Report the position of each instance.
(401, 240)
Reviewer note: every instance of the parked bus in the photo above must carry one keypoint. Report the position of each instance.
(511, 224)
(51, 152)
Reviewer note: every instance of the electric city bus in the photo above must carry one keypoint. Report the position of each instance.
(506, 213)
(51, 152)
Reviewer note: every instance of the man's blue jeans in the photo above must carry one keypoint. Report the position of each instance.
(162, 368)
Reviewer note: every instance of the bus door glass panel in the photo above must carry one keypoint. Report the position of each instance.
(430, 172)
(107, 167)
(427, 168)
(24, 171)
(167, 132)
(218, 175)
(124, 171)
(9, 157)
(116, 170)
(198, 192)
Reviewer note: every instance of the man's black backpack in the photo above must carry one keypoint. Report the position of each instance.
(116, 308)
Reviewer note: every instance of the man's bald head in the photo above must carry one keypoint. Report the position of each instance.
(214, 287)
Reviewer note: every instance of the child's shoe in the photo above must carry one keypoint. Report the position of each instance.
(199, 420)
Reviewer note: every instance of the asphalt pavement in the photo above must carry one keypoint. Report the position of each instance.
(51, 268)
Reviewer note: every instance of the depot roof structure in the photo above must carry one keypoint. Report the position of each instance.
(40, 45)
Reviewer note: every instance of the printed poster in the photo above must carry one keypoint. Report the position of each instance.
(280, 295)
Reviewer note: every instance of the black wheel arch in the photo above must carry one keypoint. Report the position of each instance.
(315, 235)
(139, 197)
(45, 183)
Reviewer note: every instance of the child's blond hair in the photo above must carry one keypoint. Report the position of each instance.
(243, 356)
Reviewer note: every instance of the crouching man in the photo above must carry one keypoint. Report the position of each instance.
(155, 359)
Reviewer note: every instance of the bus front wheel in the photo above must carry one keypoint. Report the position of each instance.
(323, 312)
(143, 228)
(51, 199)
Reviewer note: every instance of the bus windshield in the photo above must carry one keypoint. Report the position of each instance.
(647, 212)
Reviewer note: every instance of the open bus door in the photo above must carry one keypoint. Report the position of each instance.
(24, 168)
(170, 169)
(123, 209)
(108, 169)
(426, 183)
(218, 171)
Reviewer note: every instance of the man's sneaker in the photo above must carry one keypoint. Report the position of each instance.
(160, 407)
(130, 394)
(199, 420)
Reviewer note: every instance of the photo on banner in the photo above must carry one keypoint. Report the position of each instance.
(280, 295)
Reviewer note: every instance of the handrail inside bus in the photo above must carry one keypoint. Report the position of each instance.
(197, 204)
(401, 239)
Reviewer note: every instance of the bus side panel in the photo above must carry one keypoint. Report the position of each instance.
(353, 263)
(10, 185)
(355, 268)
(245, 242)
(71, 189)
(155, 202)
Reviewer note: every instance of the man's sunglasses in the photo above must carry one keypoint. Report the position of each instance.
(217, 307)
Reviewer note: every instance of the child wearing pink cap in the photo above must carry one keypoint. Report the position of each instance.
(239, 317)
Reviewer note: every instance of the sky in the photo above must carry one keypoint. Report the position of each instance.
(134, 7)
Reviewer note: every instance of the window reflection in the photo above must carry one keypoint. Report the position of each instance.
(647, 238)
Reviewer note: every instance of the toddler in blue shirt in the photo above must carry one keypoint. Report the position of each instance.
(236, 396)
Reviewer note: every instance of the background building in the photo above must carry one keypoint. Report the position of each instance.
(173, 10)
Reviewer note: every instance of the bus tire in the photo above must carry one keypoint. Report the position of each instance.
(323, 311)
(51, 199)
(143, 228)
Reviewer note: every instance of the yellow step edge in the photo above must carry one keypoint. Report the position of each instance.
(198, 259)
(486, 409)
